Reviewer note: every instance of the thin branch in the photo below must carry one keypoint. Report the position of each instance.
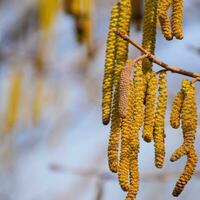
(140, 58)
(154, 59)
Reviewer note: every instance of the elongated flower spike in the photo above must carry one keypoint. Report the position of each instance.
(149, 30)
(149, 118)
(122, 45)
(109, 66)
(124, 87)
(164, 19)
(126, 131)
(138, 117)
(159, 132)
(176, 110)
(113, 146)
(189, 126)
(177, 19)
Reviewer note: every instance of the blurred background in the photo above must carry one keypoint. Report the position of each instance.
(53, 145)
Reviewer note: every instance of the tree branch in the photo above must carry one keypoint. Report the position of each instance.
(154, 59)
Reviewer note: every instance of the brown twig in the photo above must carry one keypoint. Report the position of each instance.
(162, 70)
(139, 58)
(154, 59)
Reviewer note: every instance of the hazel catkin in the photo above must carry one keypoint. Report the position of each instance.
(124, 87)
(134, 176)
(138, 117)
(113, 146)
(159, 132)
(164, 18)
(189, 113)
(177, 19)
(122, 45)
(189, 126)
(149, 30)
(109, 66)
(176, 110)
(150, 101)
(126, 131)
(187, 174)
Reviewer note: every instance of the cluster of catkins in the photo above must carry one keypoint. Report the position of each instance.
(135, 97)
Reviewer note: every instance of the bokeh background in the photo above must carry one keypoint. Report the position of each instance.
(53, 145)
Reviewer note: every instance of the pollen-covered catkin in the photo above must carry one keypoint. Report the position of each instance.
(113, 146)
(126, 131)
(164, 18)
(159, 132)
(176, 110)
(109, 66)
(124, 87)
(134, 176)
(177, 19)
(189, 126)
(122, 45)
(138, 96)
(187, 174)
(149, 117)
(149, 30)
(138, 116)
(189, 113)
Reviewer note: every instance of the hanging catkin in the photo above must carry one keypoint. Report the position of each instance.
(150, 101)
(122, 45)
(134, 175)
(12, 112)
(189, 126)
(164, 18)
(177, 19)
(124, 87)
(187, 174)
(138, 117)
(109, 66)
(159, 134)
(113, 146)
(126, 131)
(176, 110)
(149, 30)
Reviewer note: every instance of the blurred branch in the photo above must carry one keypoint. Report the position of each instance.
(105, 176)
(154, 59)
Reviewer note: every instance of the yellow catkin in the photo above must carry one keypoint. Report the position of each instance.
(126, 131)
(176, 110)
(164, 18)
(187, 174)
(138, 117)
(189, 113)
(138, 96)
(122, 45)
(149, 117)
(177, 19)
(189, 126)
(159, 134)
(149, 30)
(109, 66)
(113, 146)
(47, 13)
(12, 112)
(134, 175)
(124, 87)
